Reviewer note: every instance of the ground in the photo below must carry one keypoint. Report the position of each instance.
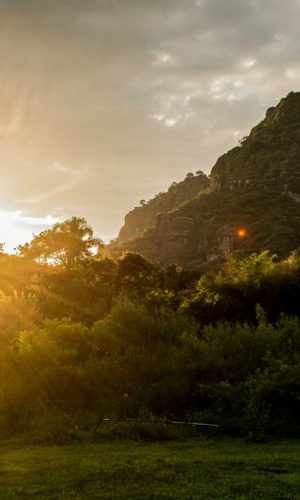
(190, 469)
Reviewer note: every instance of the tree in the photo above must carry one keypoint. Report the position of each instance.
(243, 140)
(136, 275)
(83, 293)
(66, 243)
(233, 293)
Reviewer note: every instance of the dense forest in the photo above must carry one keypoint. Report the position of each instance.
(85, 337)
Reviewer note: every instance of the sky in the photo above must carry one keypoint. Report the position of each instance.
(106, 102)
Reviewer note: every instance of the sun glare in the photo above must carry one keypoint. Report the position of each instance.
(16, 229)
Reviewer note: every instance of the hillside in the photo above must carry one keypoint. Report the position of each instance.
(252, 202)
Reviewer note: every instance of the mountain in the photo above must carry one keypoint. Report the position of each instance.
(251, 202)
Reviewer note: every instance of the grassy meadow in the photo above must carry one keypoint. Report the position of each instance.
(187, 469)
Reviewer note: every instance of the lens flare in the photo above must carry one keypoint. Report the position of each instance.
(242, 233)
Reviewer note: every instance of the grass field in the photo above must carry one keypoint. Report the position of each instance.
(191, 469)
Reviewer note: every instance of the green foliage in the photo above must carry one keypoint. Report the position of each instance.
(83, 293)
(245, 378)
(128, 338)
(234, 292)
(18, 311)
(17, 273)
(253, 376)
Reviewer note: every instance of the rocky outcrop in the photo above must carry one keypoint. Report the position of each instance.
(145, 216)
(269, 158)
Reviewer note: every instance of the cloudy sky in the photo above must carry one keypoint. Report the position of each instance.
(106, 102)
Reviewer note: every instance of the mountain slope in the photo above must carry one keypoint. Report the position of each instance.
(252, 202)
(269, 157)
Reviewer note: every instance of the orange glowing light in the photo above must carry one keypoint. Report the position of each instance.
(242, 233)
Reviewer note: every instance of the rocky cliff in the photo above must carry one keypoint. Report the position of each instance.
(146, 215)
(252, 201)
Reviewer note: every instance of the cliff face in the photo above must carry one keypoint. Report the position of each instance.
(145, 216)
(252, 202)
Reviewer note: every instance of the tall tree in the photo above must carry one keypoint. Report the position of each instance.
(66, 243)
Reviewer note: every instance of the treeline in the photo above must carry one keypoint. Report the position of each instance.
(84, 337)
